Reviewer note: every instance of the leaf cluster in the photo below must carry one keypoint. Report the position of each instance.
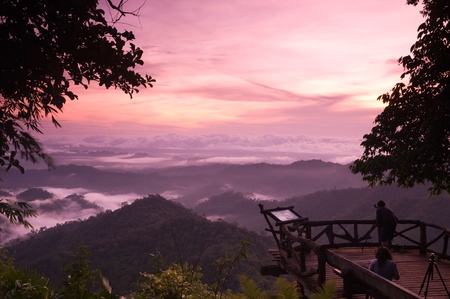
(410, 142)
(17, 213)
(48, 47)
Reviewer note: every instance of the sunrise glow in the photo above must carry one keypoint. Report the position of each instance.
(310, 68)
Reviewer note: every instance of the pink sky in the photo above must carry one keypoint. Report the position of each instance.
(306, 71)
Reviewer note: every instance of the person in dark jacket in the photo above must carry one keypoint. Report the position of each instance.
(386, 223)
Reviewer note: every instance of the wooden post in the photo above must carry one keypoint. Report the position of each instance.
(308, 231)
(445, 248)
(321, 264)
(330, 234)
(423, 238)
(302, 254)
(355, 233)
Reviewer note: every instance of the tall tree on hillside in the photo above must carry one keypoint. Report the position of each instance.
(410, 142)
(47, 47)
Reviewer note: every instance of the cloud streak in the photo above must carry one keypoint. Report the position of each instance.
(180, 149)
(251, 68)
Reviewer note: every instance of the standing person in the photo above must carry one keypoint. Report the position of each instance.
(383, 264)
(386, 223)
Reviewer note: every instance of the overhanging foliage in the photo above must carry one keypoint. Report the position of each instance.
(410, 142)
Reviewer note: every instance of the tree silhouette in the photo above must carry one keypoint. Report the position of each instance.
(410, 142)
(47, 47)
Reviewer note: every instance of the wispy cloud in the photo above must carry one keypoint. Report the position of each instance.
(250, 69)
(179, 149)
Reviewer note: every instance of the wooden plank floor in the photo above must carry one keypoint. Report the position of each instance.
(412, 267)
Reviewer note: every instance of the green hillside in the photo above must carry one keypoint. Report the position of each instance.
(123, 242)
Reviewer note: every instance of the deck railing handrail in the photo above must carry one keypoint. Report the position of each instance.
(416, 233)
(296, 237)
(363, 278)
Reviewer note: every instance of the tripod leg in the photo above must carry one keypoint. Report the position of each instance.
(430, 275)
(426, 278)
(442, 280)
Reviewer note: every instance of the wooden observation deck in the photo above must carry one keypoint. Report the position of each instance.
(313, 252)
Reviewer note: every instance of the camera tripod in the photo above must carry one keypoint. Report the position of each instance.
(429, 275)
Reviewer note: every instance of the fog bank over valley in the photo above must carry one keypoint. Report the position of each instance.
(219, 191)
(63, 205)
(183, 150)
(76, 192)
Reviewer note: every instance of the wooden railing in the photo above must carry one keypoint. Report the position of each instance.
(357, 279)
(410, 234)
(296, 238)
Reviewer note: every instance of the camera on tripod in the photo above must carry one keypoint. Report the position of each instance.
(432, 257)
(429, 275)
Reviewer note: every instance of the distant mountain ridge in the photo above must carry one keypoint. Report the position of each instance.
(349, 204)
(195, 183)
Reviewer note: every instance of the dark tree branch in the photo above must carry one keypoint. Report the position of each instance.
(121, 12)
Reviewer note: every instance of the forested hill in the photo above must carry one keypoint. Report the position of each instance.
(122, 243)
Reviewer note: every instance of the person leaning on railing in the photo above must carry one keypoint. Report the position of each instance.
(386, 223)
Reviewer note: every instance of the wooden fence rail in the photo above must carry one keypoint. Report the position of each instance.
(297, 236)
(410, 234)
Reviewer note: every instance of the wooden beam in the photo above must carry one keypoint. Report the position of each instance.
(368, 278)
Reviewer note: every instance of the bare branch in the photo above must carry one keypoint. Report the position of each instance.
(121, 12)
